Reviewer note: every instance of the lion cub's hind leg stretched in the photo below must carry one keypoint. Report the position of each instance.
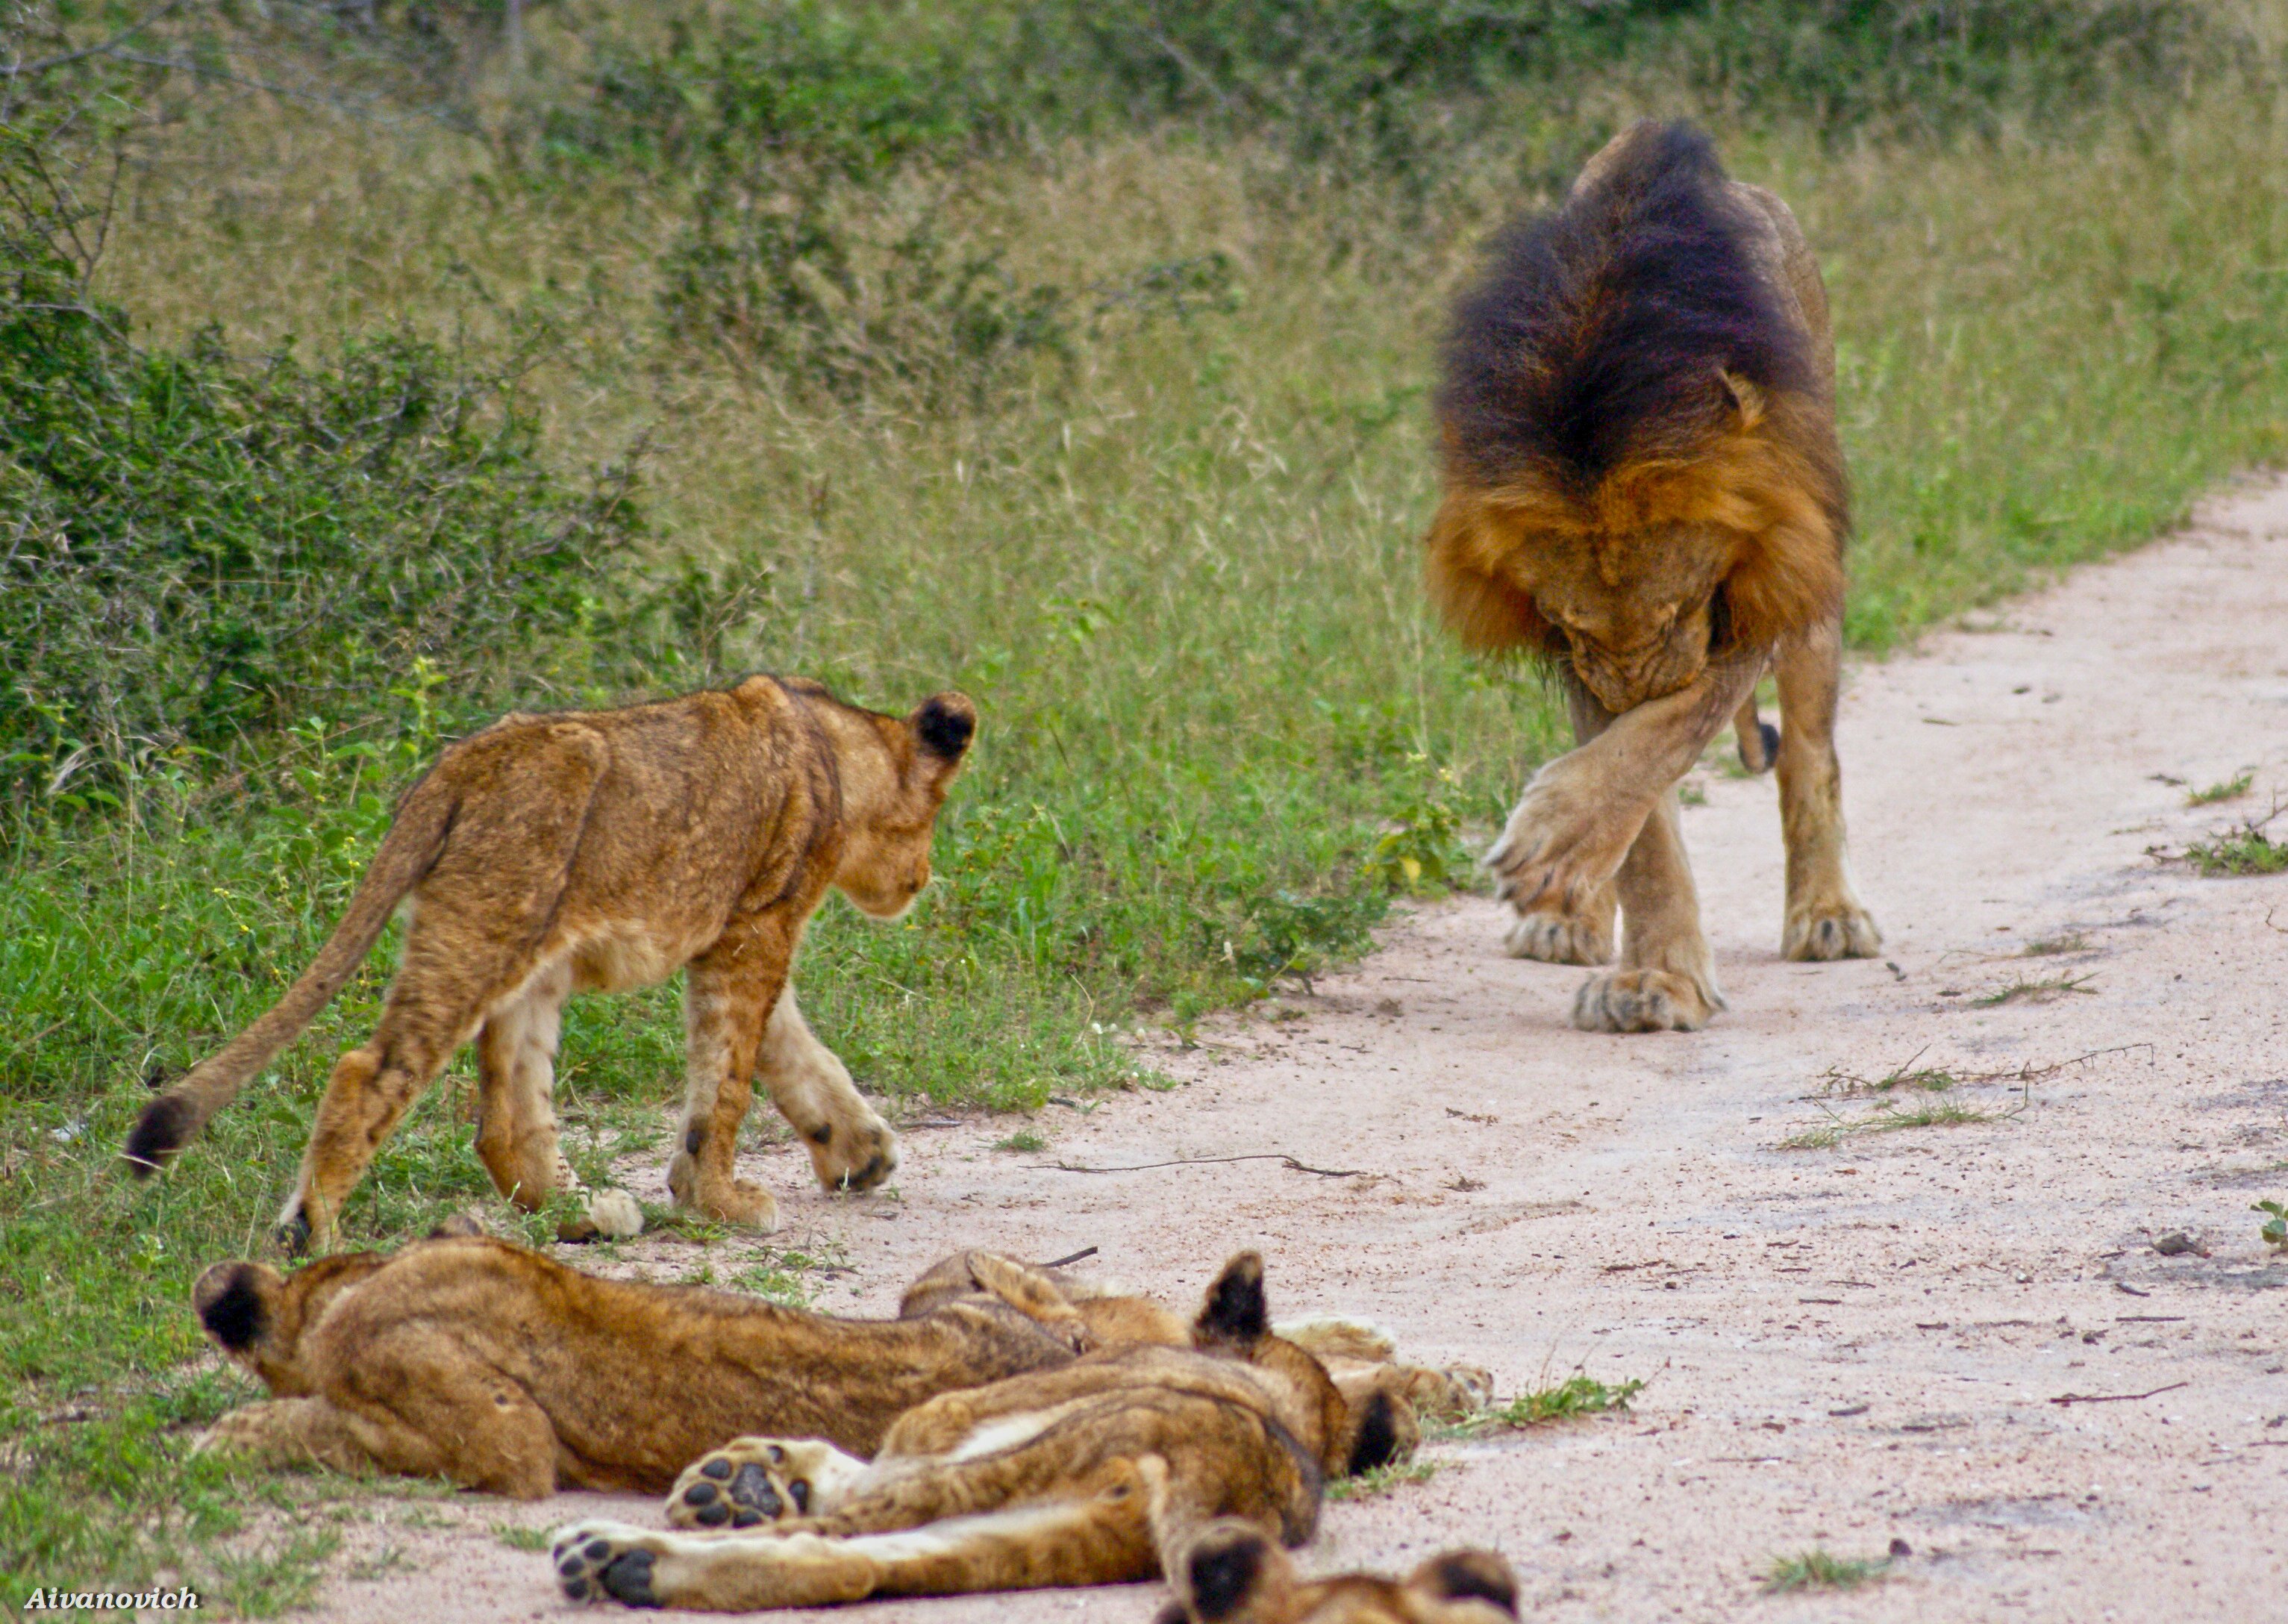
(476, 957)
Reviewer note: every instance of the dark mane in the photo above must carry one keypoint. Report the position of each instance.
(1594, 335)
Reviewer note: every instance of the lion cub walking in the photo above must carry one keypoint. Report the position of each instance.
(605, 850)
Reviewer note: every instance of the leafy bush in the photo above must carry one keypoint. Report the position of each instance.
(201, 545)
(864, 87)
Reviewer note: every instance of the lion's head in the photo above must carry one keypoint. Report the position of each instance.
(1638, 446)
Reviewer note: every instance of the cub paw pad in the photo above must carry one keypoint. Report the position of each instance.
(590, 1565)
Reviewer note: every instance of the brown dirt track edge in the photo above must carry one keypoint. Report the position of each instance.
(1844, 1347)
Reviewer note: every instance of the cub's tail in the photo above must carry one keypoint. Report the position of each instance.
(408, 851)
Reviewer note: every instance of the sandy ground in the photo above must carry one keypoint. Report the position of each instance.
(1843, 1347)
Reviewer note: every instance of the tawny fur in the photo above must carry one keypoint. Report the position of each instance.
(1643, 486)
(1095, 1472)
(482, 1362)
(605, 850)
(1230, 1573)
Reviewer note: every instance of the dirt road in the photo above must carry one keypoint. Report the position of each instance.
(1844, 1346)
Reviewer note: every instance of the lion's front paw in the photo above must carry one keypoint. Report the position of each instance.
(1644, 1002)
(1832, 930)
(1555, 937)
(1565, 841)
(594, 1560)
(857, 1153)
(751, 1481)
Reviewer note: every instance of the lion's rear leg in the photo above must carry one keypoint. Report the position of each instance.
(477, 929)
(1095, 1530)
(516, 1112)
(1826, 918)
(504, 1448)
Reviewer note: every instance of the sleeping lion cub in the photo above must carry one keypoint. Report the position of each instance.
(1195, 1461)
(605, 850)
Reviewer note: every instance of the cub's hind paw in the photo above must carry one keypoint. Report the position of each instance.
(752, 1481)
(596, 1560)
(1644, 1002)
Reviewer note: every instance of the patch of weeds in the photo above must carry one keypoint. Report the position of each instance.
(1579, 1396)
(2245, 850)
(2045, 947)
(266, 1580)
(1691, 794)
(2274, 1230)
(784, 1279)
(1382, 1480)
(1420, 849)
(2051, 986)
(390, 1559)
(2230, 789)
(1891, 1117)
(1815, 1570)
(1909, 1077)
(520, 1539)
(1024, 1140)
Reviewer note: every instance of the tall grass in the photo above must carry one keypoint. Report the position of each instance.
(1172, 556)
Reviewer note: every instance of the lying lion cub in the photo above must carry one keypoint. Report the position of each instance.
(1107, 1469)
(607, 849)
(1230, 1574)
(473, 1359)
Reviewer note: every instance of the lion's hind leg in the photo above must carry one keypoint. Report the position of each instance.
(752, 1481)
(1096, 1531)
(516, 1110)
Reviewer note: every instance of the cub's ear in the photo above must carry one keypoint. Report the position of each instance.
(233, 1302)
(1468, 1575)
(943, 725)
(1235, 1310)
(1225, 1572)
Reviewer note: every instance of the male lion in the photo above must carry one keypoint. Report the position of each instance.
(1643, 484)
(607, 850)
(473, 1359)
(1110, 1468)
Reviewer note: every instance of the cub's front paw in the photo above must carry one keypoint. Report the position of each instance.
(1644, 1002)
(735, 1201)
(857, 1152)
(1556, 937)
(595, 1560)
(1832, 930)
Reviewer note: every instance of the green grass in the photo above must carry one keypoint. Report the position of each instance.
(1381, 1479)
(2229, 789)
(1891, 1118)
(1578, 1397)
(2046, 987)
(1815, 1570)
(2275, 1227)
(2248, 849)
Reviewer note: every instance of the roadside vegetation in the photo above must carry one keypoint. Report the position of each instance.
(366, 371)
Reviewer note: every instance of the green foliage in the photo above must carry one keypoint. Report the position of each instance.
(1815, 1570)
(2247, 849)
(2226, 789)
(204, 545)
(2275, 1227)
(1380, 1479)
(1576, 1397)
